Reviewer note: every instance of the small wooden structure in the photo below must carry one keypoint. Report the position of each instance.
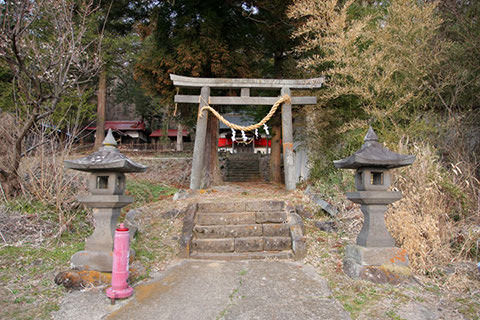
(205, 84)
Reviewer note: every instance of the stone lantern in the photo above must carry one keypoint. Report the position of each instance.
(106, 183)
(375, 246)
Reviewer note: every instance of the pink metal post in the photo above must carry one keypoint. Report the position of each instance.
(121, 249)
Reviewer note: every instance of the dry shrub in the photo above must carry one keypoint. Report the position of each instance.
(172, 172)
(425, 222)
(46, 179)
(8, 133)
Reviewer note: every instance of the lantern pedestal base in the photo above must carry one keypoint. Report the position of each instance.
(376, 264)
(95, 260)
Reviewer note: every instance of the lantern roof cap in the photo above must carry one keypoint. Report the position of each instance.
(107, 158)
(374, 154)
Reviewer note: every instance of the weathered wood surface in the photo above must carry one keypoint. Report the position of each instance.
(199, 146)
(191, 82)
(179, 137)
(211, 174)
(243, 100)
(287, 142)
(276, 154)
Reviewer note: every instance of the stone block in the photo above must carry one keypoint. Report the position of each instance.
(277, 243)
(213, 245)
(303, 212)
(225, 218)
(95, 260)
(221, 207)
(248, 244)
(385, 274)
(228, 231)
(327, 226)
(187, 231)
(265, 206)
(299, 246)
(379, 265)
(79, 279)
(351, 268)
(327, 207)
(295, 219)
(270, 216)
(92, 260)
(376, 256)
(276, 230)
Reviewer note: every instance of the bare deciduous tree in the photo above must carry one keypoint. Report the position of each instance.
(50, 49)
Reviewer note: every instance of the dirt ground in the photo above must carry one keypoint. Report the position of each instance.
(27, 268)
(423, 298)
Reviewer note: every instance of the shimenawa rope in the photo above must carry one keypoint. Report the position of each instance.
(284, 98)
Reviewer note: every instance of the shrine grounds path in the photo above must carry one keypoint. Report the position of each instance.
(315, 288)
(195, 289)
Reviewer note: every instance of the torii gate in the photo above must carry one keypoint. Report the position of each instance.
(244, 99)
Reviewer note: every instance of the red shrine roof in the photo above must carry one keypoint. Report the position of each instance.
(123, 125)
(171, 133)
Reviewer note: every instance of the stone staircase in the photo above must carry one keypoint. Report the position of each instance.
(243, 167)
(243, 230)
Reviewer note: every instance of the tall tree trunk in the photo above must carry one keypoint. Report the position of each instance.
(179, 137)
(276, 154)
(9, 177)
(101, 106)
(212, 174)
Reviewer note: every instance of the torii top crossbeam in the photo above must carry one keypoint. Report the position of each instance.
(245, 85)
(285, 86)
(190, 82)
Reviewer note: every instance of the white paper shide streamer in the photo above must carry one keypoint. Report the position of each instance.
(265, 127)
(233, 136)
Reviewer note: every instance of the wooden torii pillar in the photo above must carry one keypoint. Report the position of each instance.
(204, 84)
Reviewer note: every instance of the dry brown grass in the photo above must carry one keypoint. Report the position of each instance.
(433, 221)
(419, 221)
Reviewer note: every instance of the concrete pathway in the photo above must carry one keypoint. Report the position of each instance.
(240, 290)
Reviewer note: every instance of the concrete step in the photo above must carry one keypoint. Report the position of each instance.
(226, 218)
(242, 170)
(227, 231)
(242, 173)
(246, 164)
(245, 176)
(276, 230)
(243, 156)
(253, 179)
(240, 231)
(243, 164)
(240, 206)
(286, 254)
(247, 244)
